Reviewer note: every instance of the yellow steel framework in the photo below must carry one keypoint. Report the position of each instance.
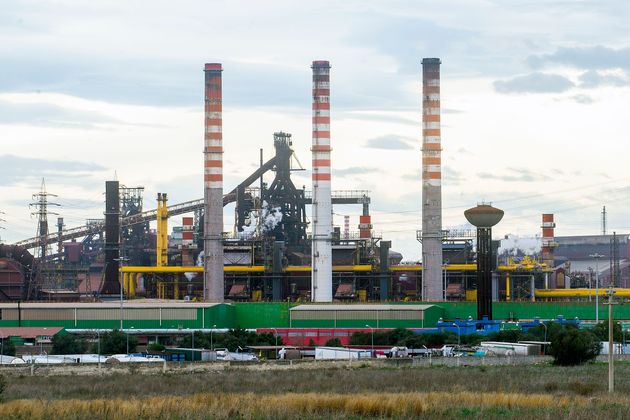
(161, 245)
(131, 273)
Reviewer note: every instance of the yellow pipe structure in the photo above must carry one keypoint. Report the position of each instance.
(473, 267)
(449, 267)
(125, 285)
(133, 277)
(235, 269)
(508, 280)
(337, 268)
(162, 230)
(526, 264)
(161, 239)
(361, 267)
(581, 292)
(410, 267)
(298, 268)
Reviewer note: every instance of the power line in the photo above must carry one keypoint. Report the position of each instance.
(1, 220)
(525, 197)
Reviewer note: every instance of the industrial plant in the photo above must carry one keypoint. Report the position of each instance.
(284, 252)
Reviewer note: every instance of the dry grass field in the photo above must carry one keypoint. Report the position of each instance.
(523, 392)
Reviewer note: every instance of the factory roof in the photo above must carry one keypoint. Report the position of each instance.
(144, 303)
(361, 307)
(28, 332)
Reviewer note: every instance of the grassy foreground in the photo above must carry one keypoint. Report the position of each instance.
(524, 392)
(403, 405)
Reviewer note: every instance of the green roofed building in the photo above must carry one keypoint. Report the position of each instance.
(358, 316)
(21, 336)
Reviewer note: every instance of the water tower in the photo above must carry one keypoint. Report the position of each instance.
(483, 217)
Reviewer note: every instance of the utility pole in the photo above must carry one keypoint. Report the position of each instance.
(597, 256)
(121, 261)
(611, 365)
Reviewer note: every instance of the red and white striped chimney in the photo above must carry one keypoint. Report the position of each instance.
(188, 232)
(213, 185)
(431, 182)
(321, 278)
(188, 240)
(548, 242)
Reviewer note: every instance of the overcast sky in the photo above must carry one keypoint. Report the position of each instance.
(534, 95)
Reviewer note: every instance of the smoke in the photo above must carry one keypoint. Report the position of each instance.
(516, 245)
(250, 227)
(270, 217)
(261, 221)
(200, 261)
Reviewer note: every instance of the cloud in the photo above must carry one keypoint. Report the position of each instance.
(451, 176)
(48, 115)
(596, 57)
(557, 171)
(17, 169)
(152, 81)
(80, 203)
(109, 79)
(406, 38)
(593, 78)
(534, 83)
(378, 116)
(390, 142)
(354, 170)
(518, 175)
(583, 99)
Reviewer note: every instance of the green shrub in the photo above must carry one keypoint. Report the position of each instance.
(472, 339)
(395, 337)
(573, 346)
(360, 339)
(115, 342)
(232, 339)
(8, 348)
(68, 344)
(601, 331)
(334, 342)
(417, 341)
(155, 347)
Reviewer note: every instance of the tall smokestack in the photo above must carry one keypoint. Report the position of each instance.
(213, 185)
(431, 182)
(111, 285)
(548, 243)
(321, 283)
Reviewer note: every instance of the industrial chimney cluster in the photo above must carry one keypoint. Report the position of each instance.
(321, 217)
